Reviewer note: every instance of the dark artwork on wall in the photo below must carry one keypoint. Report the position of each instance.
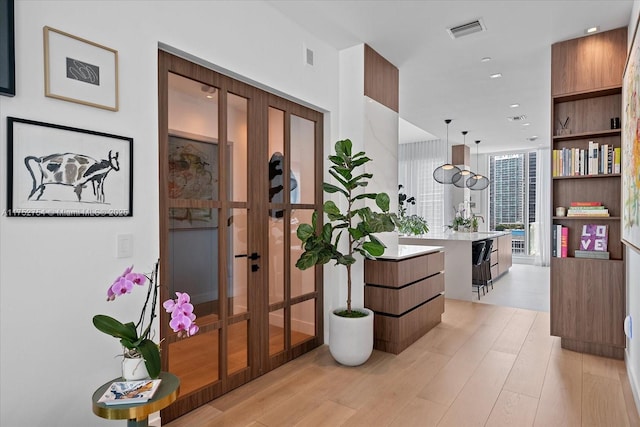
(82, 71)
(7, 49)
(276, 183)
(57, 170)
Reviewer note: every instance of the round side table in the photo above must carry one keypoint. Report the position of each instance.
(137, 414)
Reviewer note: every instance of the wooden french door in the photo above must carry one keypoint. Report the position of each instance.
(239, 169)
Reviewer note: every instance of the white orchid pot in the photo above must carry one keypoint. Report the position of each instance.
(351, 339)
(134, 369)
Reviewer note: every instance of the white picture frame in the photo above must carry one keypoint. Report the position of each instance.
(79, 70)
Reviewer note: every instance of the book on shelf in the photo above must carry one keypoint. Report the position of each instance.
(591, 254)
(594, 237)
(598, 210)
(564, 243)
(558, 239)
(129, 392)
(596, 159)
(585, 204)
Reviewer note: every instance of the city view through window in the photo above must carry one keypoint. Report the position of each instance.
(512, 197)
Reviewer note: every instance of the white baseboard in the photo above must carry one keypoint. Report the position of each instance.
(633, 380)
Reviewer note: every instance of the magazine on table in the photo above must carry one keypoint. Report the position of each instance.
(128, 392)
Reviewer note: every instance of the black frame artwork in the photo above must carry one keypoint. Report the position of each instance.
(7, 49)
(55, 170)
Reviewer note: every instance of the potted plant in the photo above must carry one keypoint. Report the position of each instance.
(349, 328)
(141, 356)
(411, 225)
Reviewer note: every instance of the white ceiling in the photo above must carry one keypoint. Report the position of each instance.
(442, 78)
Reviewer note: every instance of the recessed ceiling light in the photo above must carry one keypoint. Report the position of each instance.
(526, 124)
(591, 30)
(486, 59)
(516, 105)
(495, 76)
(533, 138)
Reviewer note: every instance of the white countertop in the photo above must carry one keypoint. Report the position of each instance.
(408, 251)
(453, 235)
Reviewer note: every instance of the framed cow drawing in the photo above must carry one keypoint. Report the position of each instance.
(56, 170)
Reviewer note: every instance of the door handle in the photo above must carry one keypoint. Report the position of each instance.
(254, 256)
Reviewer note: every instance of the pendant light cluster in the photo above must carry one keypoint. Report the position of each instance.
(448, 173)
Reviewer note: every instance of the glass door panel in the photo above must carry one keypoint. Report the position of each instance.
(302, 160)
(276, 332)
(276, 209)
(238, 262)
(302, 281)
(237, 146)
(237, 353)
(276, 260)
(195, 360)
(303, 321)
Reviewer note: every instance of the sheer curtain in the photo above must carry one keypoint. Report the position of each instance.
(416, 163)
(543, 207)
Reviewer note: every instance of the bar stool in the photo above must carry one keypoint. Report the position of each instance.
(477, 258)
(486, 266)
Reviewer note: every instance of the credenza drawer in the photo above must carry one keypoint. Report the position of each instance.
(397, 301)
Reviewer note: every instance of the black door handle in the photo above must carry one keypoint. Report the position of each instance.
(254, 256)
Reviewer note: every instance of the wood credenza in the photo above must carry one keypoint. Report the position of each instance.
(406, 293)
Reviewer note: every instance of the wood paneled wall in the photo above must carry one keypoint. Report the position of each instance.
(588, 63)
(381, 79)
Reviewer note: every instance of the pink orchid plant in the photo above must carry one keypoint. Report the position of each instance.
(135, 337)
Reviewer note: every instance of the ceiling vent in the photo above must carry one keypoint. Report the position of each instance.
(472, 27)
(516, 118)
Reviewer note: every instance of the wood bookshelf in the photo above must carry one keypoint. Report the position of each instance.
(588, 295)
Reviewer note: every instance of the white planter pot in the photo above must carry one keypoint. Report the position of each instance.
(351, 339)
(134, 369)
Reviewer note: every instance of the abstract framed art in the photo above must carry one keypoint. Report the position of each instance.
(55, 170)
(80, 70)
(7, 49)
(631, 146)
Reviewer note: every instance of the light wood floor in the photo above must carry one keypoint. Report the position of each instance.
(484, 365)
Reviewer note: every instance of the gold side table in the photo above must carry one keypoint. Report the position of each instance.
(137, 414)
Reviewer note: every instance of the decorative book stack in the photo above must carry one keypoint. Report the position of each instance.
(593, 241)
(580, 209)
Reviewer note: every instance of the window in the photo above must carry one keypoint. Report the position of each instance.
(416, 163)
(512, 198)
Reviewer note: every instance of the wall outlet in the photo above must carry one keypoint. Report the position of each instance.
(628, 327)
(124, 245)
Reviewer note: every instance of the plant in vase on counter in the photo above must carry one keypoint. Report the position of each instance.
(409, 224)
(460, 221)
(136, 337)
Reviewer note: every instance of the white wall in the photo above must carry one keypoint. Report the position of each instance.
(632, 257)
(54, 272)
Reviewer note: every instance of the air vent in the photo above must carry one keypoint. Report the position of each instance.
(466, 29)
(516, 118)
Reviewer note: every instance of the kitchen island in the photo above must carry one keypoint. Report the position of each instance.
(457, 259)
(404, 288)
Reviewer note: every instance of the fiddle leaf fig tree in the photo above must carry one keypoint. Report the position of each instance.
(357, 223)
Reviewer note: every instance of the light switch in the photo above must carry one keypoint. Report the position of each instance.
(124, 243)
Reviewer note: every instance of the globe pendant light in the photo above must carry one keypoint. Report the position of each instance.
(477, 181)
(460, 178)
(444, 174)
